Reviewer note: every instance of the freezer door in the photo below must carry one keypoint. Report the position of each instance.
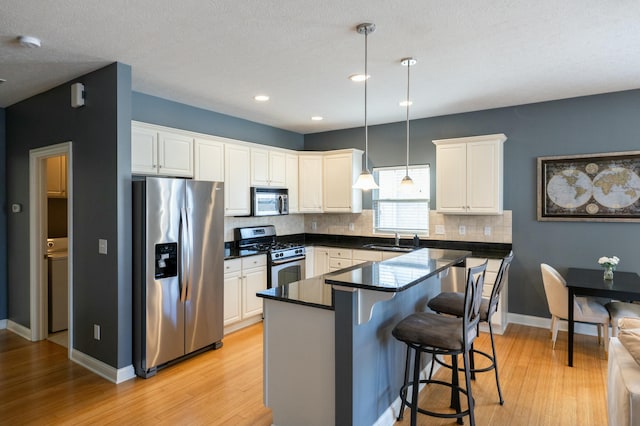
(205, 283)
(164, 313)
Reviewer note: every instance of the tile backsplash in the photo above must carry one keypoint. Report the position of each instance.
(491, 229)
(498, 227)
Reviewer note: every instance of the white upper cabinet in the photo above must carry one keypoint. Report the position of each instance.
(208, 160)
(236, 180)
(469, 174)
(310, 183)
(268, 168)
(159, 152)
(341, 169)
(291, 181)
(57, 177)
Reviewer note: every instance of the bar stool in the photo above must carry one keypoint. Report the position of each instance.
(436, 334)
(452, 303)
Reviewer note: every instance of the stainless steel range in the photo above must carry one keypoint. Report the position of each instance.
(285, 260)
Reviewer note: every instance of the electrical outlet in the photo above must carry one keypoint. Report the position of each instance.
(96, 331)
(102, 246)
(487, 231)
(314, 225)
(462, 230)
(352, 226)
(440, 229)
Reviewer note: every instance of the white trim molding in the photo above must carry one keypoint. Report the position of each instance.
(19, 329)
(539, 322)
(114, 375)
(3, 324)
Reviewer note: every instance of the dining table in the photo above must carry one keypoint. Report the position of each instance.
(590, 282)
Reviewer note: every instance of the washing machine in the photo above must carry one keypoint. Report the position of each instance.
(58, 280)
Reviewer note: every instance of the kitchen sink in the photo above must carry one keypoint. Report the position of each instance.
(390, 247)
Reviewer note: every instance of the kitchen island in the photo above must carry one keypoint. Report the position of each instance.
(329, 356)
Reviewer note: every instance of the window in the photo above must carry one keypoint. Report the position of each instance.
(396, 209)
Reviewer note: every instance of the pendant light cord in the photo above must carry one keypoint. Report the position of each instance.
(366, 77)
(408, 76)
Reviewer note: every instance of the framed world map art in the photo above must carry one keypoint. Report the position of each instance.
(590, 187)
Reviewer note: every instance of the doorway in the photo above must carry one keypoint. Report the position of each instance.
(50, 218)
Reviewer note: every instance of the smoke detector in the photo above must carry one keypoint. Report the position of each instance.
(29, 41)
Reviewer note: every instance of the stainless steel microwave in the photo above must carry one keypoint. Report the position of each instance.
(269, 201)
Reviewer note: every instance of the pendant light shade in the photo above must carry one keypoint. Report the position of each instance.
(365, 181)
(407, 182)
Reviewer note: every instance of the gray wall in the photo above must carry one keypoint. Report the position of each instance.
(151, 109)
(3, 219)
(592, 124)
(101, 138)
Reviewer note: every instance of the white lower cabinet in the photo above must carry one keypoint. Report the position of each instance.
(499, 319)
(243, 278)
(331, 259)
(320, 260)
(339, 258)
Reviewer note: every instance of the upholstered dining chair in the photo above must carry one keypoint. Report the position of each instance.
(585, 309)
(618, 310)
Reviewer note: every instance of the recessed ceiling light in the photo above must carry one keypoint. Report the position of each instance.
(261, 98)
(317, 118)
(359, 77)
(405, 103)
(29, 41)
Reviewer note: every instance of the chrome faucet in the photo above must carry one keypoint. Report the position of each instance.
(397, 239)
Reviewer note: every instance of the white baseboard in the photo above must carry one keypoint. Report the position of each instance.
(242, 324)
(18, 329)
(580, 328)
(106, 371)
(3, 324)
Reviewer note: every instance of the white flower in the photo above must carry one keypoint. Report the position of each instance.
(609, 262)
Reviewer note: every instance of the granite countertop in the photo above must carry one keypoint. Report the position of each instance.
(309, 292)
(391, 275)
(399, 273)
(477, 249)
(234, 253)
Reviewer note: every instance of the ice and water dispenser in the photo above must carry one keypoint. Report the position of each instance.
(166, 260)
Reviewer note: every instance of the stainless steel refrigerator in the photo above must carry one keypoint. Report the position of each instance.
(178, 276)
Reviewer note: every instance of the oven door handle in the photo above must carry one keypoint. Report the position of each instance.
(288, 260)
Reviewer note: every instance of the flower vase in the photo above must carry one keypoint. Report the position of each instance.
(608, 273)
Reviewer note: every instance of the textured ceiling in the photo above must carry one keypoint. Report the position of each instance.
(217, 55)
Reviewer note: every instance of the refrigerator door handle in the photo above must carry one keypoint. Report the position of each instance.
(184, 256)
(189, 250)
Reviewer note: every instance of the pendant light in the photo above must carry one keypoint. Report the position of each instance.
(365, 181)
(407, 182)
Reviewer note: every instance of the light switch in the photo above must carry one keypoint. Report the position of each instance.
(440, 229)
(487, 231)
(102, 246)
(96, 331)
(352, 226)
(462, 230)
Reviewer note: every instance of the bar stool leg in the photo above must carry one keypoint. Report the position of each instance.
(406, 381)
(495, 363)
(415, 387)
(467, 378)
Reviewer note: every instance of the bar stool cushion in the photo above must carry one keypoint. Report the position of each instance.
(433, 330)
(452, 303)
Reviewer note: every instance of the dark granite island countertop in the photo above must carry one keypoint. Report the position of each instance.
(399, 273)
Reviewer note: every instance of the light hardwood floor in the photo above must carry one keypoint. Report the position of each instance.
(38, 385)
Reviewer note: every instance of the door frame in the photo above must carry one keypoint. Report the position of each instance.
(37, 226)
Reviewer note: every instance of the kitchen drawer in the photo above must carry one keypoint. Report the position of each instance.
(232, 265)
(254, 261)
(340, 253)
(367, 255)
(336, 264)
